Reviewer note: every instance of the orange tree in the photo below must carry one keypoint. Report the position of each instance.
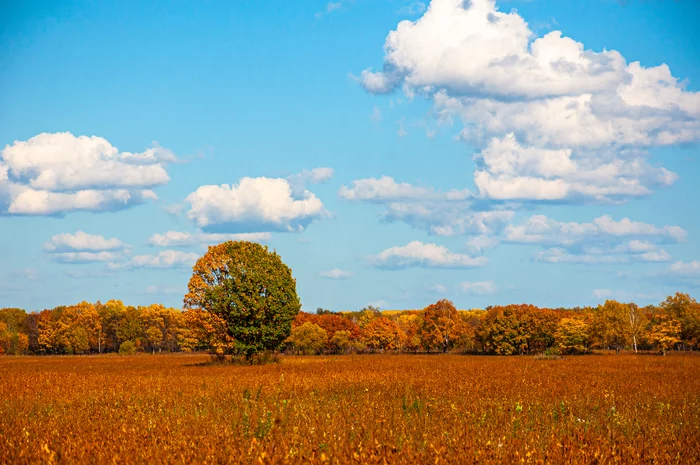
(383, 334)
(251, 290)
(442, 326)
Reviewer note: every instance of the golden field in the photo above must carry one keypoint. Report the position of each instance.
(350, 409)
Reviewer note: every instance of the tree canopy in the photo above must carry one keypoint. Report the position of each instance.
(250, 290)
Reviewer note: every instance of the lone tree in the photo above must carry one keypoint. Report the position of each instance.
(250, 291)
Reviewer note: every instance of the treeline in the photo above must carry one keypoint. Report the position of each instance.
(504, 330)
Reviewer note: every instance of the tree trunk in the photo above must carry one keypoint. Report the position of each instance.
(634, 338)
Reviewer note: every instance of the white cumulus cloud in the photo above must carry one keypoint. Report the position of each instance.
(82, 241)
(52, 174)
(82, 247)
(551, 120)
(418, 254)
(253, 205)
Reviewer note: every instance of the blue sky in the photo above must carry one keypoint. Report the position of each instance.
(392, 152)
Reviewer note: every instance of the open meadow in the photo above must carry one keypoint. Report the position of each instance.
(350, 409)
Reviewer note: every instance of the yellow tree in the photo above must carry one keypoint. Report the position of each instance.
(88, 319)
(131, 327)
(46, 332)
(111, 315)
(686, 311)
(207, 331)
(308, 338)
(77, 328)
(410, 323)
(153, 320)
(572, 335)
(611, 325)
(664, 333)
(12, 335)
(367, 314)
(343, 342)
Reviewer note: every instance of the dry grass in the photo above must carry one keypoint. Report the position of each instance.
(354, 409)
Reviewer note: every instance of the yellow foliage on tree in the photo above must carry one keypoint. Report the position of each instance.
(572, 336)
(686, 311)
(664, 333)
(611, 328)
(205, 330)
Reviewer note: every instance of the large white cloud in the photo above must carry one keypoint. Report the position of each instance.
(254, 205)
(471, 47)
(418, 254)
(603, 240)
(552, 120)
(439, 213)
(53, 174)
(539, 229)
(184, 239)
(507, 170)
(82, 247)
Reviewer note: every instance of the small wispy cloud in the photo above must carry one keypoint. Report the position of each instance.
(336, 273)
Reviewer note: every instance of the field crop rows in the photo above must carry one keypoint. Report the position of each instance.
(350, 409)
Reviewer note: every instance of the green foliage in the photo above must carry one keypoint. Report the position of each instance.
(341, 341)
(127, 348)
(308, 338)
(517, 329)
(251, 290)
(367, 315)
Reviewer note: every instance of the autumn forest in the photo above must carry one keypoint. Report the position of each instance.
(112, 327)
